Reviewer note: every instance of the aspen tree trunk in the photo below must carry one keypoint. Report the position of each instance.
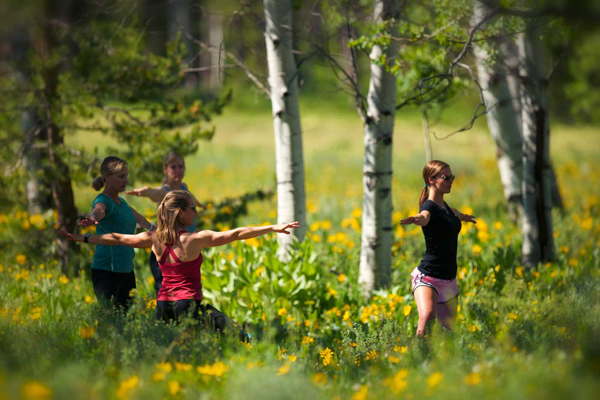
(283, 82)
(502, 116)
(215, 39)
(179, 22)
(36, 187)
(376, 241)
(60, 177)
(538, 239)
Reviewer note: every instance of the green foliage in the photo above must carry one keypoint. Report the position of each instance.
(517, 333)
(585, 81)
(108, 84)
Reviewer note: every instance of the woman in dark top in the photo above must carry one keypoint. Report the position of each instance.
(434, 280)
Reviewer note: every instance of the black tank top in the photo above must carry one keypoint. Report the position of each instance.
(441, 241)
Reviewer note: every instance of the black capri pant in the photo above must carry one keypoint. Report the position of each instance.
(207, 314)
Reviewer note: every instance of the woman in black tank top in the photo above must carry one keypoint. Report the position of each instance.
(434, 280)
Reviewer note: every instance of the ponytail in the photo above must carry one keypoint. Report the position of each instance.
(98, 183)
(424, 195)
(168, 216)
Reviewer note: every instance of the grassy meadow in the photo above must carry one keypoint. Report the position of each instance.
(518, 334)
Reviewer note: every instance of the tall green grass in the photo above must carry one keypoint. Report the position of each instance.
(518, 334)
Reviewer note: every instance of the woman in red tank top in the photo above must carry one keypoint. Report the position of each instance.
(180, 255)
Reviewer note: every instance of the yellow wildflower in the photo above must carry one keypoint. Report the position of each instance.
(165, 367)
(282, 311)
(397, 383)
(217, 369)
(158, 376)
(573, 262)
(21, 259)
(36, 313)
(183, 367)
(292, 358)
(326, 356)
(63, 279)
(320, 379)
(406, 310)
(361, 394)
(473, 379)
(434, 379)
(512, 316)
(371, 355)
(126, 386)
(174, 387)
(36, 390)
(308, 340)
(477, 249)
(285, 368)
(341, 278)
(87, 332)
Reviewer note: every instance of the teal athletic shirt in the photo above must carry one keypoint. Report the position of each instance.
(119, 219)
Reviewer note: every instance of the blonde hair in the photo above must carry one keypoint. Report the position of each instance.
(432, 168)
(168, 159)
(169, 216)
(110, 165)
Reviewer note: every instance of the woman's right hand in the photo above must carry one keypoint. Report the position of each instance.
(283, 228)
(86, 221)
(138, 192)
(72, 237)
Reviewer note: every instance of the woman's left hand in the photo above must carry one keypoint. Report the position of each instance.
(469, 218)
(283, 228)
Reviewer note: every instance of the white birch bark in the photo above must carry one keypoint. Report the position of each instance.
(502, 118)
(283, 81)
(217, 59)
(179, 22)
(538, 239)
(376, 241)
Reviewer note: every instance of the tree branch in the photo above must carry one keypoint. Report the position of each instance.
(237, 61)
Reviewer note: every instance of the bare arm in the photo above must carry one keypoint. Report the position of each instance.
(141, 240)
(464, 217)
(211, 238)
(154, 194)
(141, 220)
(421, 219)
(98, 213)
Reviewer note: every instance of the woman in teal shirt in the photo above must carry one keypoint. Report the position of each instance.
(112, 269)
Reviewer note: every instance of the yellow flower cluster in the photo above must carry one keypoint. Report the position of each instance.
(326, 356)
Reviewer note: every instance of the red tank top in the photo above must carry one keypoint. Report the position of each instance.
(181, 280)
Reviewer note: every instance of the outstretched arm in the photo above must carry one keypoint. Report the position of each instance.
(98, 213)
(421, 219)
(211, 238)
(464, 217)
(154, 194)
(141, 240)
(141, 220)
